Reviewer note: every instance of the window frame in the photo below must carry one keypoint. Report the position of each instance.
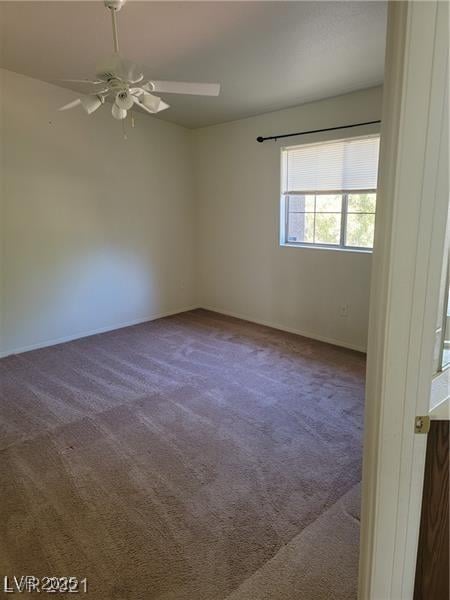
(284, 241)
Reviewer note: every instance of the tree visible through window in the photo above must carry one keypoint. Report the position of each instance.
(334, 216)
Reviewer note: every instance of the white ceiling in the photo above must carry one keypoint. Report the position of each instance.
(266, 55)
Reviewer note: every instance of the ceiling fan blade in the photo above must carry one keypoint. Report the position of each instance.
(161, 105)
(87, 81)
(184, 87)
(70, 105)
(84, 86)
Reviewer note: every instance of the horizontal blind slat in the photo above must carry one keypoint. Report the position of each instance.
(350, 164)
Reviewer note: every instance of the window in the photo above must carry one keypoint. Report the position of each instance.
(328, 193)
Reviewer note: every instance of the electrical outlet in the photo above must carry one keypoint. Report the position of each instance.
(343, 311)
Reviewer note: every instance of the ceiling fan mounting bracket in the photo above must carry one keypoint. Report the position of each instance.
(114, 4)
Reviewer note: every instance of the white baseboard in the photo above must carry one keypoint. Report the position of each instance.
(222, 311)
(307, 334)
(77, 336)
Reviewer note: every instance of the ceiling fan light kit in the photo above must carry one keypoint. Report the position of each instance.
(91, 103)
(124, 100)
(118, 113)
(151, 102)
(122, 80)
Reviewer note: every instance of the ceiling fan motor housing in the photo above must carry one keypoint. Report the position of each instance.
(117, 70)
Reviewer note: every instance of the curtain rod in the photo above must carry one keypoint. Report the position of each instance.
(261, 139)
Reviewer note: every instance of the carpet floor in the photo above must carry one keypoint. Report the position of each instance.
(196, 457)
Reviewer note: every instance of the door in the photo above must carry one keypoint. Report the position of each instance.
(432, 570)
(413, 204)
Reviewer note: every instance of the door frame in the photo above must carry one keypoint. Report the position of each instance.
(406, 274)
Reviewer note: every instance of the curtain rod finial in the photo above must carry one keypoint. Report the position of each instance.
(260, 139)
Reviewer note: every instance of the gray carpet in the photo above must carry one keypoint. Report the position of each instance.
(197, 457)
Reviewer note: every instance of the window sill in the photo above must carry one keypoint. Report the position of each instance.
(332, 248)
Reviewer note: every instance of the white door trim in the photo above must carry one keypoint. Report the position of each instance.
(407, 267)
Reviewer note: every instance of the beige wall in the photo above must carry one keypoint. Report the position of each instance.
(96, 232)
(242, 270)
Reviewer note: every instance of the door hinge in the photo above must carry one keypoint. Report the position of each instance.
(422, 424)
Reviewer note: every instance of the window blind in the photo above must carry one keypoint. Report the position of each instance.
(350, 164)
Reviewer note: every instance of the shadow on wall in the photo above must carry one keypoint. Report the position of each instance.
(83, 264)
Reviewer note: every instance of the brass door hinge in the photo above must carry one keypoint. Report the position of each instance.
(422, 424)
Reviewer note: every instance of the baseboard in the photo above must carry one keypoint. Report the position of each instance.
(83, 334)
(273, 325)
(222, 311)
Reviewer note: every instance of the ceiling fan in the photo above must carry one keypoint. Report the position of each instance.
(121, 80)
